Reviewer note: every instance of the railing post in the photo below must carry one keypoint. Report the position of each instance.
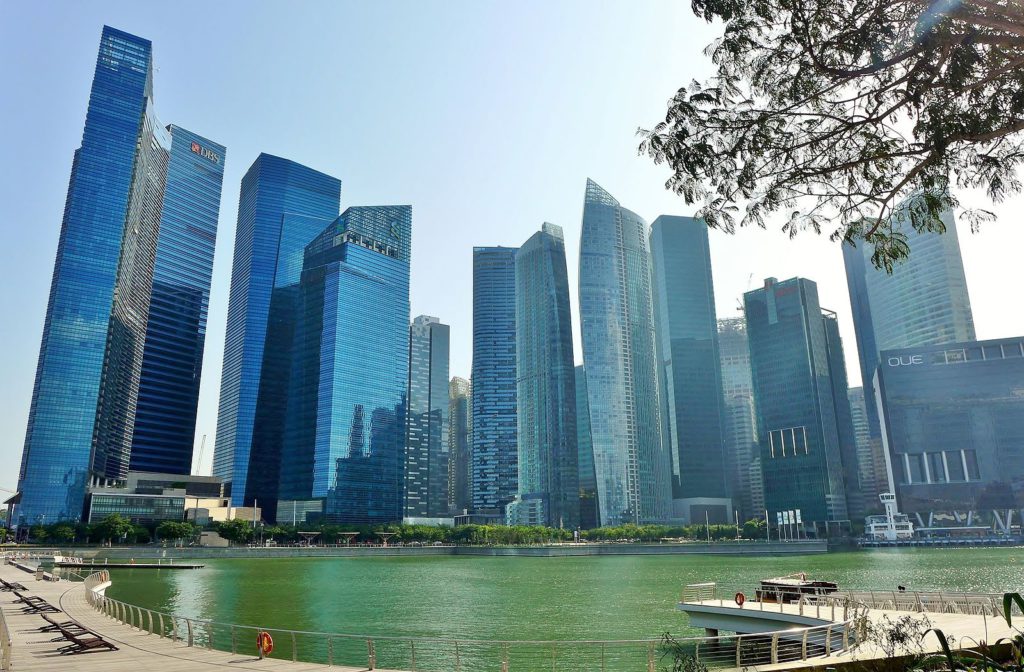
(846, 636)
(161, 615)
(602, 656)
(412, 650)
(234, 641)
(174, 629)
(372, 655)
(191, 635)
(650, 656)
(330, 651)
(803, 646)
(458, 662)
(209, 635)
(738, 649)
(775, 648)
(504, 657)
(149, 617)
(800, 601)
(828, 641)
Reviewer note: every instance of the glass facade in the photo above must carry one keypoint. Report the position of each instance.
(165, 420)
(589, 508)
(344, 435)
(140, 509)
(460, 445)
(953, 425)
(84, 398)
(855, 505)
(426, 443)
(742, 453)
(282, 206)
(495, 452)
(546, 386)
(617, 324)
(689, 369)
(796, 409)
(871, 470)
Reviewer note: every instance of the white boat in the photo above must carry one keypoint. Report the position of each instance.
(892, 526)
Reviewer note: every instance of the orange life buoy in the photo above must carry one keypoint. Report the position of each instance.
(740, 599)
(264, 642)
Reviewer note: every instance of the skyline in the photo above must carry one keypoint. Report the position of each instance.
(50, 128)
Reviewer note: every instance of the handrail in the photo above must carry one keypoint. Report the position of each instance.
(5, 644)
(341, 648)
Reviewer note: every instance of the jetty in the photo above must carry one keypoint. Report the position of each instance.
(106, 564)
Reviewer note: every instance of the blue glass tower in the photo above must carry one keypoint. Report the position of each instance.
(84, 399)
(545, 386)
(617, 324)
(426, 444)
(743, 456)
(689, 369)
(495, 469)
(589, 509)
(282, 206)
(795, 389)
(346, 404)
(460, 445)
(172, 363)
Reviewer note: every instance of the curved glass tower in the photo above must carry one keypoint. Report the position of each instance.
(617, 323)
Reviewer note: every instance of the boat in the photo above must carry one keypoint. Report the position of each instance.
(792, 587)
(892, 526)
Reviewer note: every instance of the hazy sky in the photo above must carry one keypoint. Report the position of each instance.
(487, 117)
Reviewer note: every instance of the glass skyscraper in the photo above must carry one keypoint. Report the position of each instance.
(849, 458)
(495, 456)
(426, 443)
(794, 394)
(84, 399)
(282, 206)
(689, 369)
(165, 420)
(743, 456)
(344, 437)
(548, 478)
(589, 508)
(460, 445)
(617, 324)
(871, 470)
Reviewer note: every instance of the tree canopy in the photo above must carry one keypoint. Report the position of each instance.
(849, 116)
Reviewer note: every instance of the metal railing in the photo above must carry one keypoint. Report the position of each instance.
(988, 604)
(470, 655)
(5, 644)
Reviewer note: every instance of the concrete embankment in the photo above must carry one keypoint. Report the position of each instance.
(564, 550)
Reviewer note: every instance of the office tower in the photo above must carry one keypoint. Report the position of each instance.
(793, 393)
(743, 455)
(282, 206)
(871, 469)
(426, 441)
(855, 504)
(689, 370)
(87, 380)
(495, 453)
(344, 436)
(165, 420)
(617, 324)
(923, 302)
(953, 425)
(589, 508)
(460, 445)
(548, 479)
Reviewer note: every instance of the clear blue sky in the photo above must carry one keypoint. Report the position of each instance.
(487, 117)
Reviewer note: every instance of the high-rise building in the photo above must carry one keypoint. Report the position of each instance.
(426, 441)
(871, 470)
(460, 445)
(589, 508)
(495, 452)
(923, 302)
(282, 206)
(345, 428)
(742, 453)
(84, 400)
(689, 370)
(855, 504)
(617, 324)
(165, 419)
(548, 478)
(794, 396)
(953, 425)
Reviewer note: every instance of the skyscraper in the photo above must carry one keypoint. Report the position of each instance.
(165, 420)
(617, 324)
(855, 504)
(796, 408)
(743, 456)
(548, 477)
(689, 369)
(589, 507)
(923, 302)
(460, 445)
(282, 206)
(871, 470)
(426, 442)
(495, 455)
(86, 388)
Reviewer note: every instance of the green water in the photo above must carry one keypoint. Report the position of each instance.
(608, 597)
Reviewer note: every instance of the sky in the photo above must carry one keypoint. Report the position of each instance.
(486, 117)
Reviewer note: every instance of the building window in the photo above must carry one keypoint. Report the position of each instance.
(915, 467)
(955, 465)
(971, 460)
(936, 468)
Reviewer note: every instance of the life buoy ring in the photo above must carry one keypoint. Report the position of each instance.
(740, 599)
(264, 642)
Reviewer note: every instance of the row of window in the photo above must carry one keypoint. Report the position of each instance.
(949, 466)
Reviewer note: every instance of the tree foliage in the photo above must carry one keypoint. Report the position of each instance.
(851, 116)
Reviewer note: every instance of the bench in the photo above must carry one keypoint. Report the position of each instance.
(83, 644)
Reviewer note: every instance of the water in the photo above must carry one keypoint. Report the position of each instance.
(607, 597)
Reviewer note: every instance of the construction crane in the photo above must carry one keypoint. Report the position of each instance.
(739, 301)
(199, 460)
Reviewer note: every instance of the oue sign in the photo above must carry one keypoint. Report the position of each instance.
(906, 360)
(204, 152)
